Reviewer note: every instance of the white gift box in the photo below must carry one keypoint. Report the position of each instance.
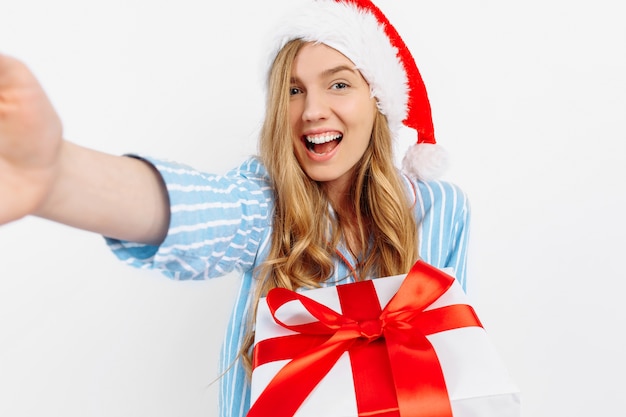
(476, 380)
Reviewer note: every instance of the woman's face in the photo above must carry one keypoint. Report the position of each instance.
(331, 114)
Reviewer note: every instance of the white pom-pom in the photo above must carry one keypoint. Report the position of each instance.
(425, 161)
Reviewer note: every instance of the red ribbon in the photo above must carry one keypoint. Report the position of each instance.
(395, 368)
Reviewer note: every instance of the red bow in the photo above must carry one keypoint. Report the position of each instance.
(395, 367)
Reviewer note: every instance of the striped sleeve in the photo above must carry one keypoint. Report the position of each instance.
(443, 214)
(216, 224)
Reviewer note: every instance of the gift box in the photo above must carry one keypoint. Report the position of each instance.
(402, 346)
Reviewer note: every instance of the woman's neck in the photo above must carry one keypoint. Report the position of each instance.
(339, 195)
(343, 204)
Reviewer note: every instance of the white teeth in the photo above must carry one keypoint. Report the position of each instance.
(322, 138)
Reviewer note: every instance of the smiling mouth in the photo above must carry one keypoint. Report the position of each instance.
(322, 144)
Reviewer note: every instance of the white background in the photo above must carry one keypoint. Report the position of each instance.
(528, 97)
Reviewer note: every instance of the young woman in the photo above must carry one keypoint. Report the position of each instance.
(322, 203)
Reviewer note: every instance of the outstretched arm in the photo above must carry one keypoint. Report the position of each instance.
(41, 174)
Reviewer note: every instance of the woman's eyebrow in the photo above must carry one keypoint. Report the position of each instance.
(329, 72)
(339, 68)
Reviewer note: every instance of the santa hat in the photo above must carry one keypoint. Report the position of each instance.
(361, 32)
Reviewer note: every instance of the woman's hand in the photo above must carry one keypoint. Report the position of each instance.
(30, 141)
(43, 175)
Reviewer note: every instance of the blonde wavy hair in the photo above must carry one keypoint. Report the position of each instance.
(305, 234)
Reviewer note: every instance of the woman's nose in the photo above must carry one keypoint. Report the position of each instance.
(315, 107)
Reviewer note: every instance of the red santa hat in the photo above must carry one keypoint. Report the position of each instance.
(361, 32)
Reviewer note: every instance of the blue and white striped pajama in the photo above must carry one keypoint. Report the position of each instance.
(222, 223)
